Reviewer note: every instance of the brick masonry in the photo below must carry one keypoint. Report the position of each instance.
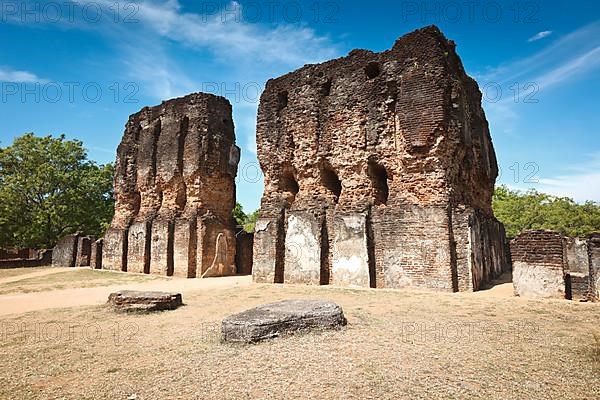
(24, 258)
(594, 262)
(548, 264)
(379, 171)
(538, 264)
(175, 190)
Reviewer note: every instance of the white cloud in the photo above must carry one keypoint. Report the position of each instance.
(12, 76)
(580, 182)
(231, 38)
(567, 47)
(580, 187)
(577, 65)
(539, 36)
(150, 67)
(241, 49)
(568, 58)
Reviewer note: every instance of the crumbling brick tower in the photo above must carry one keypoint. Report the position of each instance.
(174, 190)
(379, 171)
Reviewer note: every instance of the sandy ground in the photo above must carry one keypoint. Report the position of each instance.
(20, 274)
(397, 345)
(21, 303)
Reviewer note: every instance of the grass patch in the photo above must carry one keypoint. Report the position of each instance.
(10, 272)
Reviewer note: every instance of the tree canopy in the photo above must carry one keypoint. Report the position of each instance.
(246, 220)
(48, 189)
(520, 211)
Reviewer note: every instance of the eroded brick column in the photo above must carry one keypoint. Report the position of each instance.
(176, 167)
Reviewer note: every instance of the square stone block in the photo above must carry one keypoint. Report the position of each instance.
(114, 251)
(350, 259)
(184, 248)
(266, 240)
(538, 281)
(65, 251)
(161, 260)
(302, 249)
(138, 248)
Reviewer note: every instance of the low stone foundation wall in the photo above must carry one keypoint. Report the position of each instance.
(16, 254)
(40, 257)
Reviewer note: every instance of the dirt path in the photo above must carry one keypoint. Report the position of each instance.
(34, 274)
(21, 303)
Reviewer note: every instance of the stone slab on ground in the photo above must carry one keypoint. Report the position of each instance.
(287, 316)
(141, 301)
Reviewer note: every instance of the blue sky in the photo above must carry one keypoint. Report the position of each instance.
(81, 68)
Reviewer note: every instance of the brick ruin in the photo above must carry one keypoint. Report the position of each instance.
(549, 265)
(75, 250)
(175, 190)
(379, 171)
(23, 258)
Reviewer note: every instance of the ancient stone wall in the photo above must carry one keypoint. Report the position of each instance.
(23, 258)
(538, 264)
(96, 254)
(73, 251)
(594, 263)
(548, 264)
(84, 251)
(25, 253)
(174, 190)
(379, 171)
(577, 268)
(64, 253)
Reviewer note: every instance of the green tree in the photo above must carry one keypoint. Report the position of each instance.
(246, 220)
(239, 215)
(48, 189)
(520, 211)
(251, 221)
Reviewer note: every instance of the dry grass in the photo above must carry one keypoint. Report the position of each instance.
(397, 344)
(10, 272)
(595, 351)
(78, 278)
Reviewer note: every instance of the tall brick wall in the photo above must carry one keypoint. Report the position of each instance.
(379, 171)
(174, 190)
